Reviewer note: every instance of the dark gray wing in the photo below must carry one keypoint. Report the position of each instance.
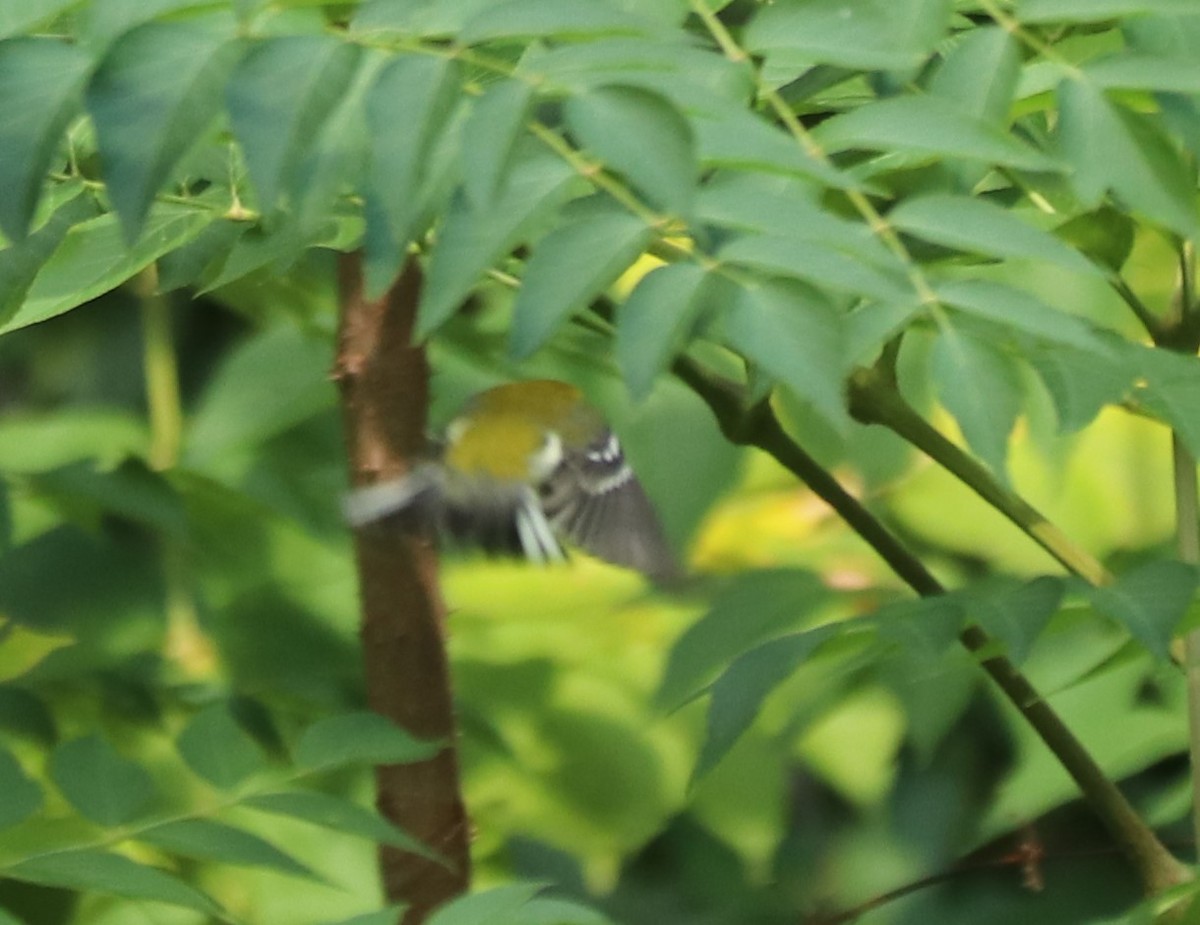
(594, 500)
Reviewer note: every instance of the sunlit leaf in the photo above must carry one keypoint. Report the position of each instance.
(20, 17)
(210, 840)
(1096, 10)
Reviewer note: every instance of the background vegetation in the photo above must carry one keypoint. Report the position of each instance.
(935, 258)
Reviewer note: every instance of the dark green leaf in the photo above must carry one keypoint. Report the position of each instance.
(1149, 601)
(472, 240)
(1016, 613)
(88, 870)
(215, 841)
(199, 259)
(641, 135)
(40, 90)
(796, 338)
(93, 259)
(1140, 166)
(331, 812)
(571, 266)
(418, 92)
(870, 34)
(21, 263)
(415, 17)
(1096, 10)
(498, 906)
(270, 384)
(490, 139)
(819, 264)
(20, 797)
(104, 786)
(656, 319)
(738, 694)
(359, 738)
(755, 607)
(980, 74)
(388, 916)
(1172, 389)
(978, 226)
(279, 96)
(26, 715)
(928, 125)
(979, 385)
(742, 140)
(217, 748)
(1080, 383)
(1021, 311)
(1105, 235)
(130, 490)
(545, 19)
(154, 94)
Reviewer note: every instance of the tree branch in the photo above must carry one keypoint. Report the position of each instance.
(384, 383)
(758, 426)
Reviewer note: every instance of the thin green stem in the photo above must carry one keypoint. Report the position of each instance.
(875, 400)
(758, 426)
(1151, 322)
(1187, 538)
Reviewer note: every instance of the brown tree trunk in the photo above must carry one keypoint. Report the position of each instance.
(384, 383)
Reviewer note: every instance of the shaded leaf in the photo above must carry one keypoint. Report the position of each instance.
(104, 786)
(154, 94)
(980, 74)
(217, 748)
(1016, 613)
(1096, 10)
(25, 714)
(1146, 72)
(1105, 235)
(497, 906)
(1021, 311)
(490, 138)
(1080, 383)
(1172, 389)
(388, 916)
(209, 840)
(130, 490)
(279, 95)
(1149, 601)
(571, 266)
(41, 83)
(979, 385)
(544, 19)
(20, 797)
(359, 738)
(755, 607)
(641, 135)
(89, 870)
(339, 815)
(408, 18)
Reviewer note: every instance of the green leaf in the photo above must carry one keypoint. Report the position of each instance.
(104, 786)
(819, 264)
(1141, 166)
(1033, 11)
(738, 694)
(209, 840)
(490, 137)
(978, 226)
(339, 815)
(641, 135)
(218, 749)
(88, 870)
(268, 385)
(389, 916)
(21, 263)
(979, 74)
(1021, 311)
(1172, 389)
(1149, 601)
(470, 241)
(741, 140)
(547, 19)
(869, 34)
(130, 490)
(928, 125)
(755, 607)
(656, 319)
(26, 15)
(1145, 72)
(571, 266)
(41, 83)
(979, 385)
(418, 92)
(155, 93)
(795, 337)
(498, 906)
(20, 797)
(414, 17)
(1015, 613)
(1080, 383)
(279, 96)
(1105, 236)
(93, 259)
(26, 715)
(359, 738)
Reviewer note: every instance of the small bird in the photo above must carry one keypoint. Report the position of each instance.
(523, 467)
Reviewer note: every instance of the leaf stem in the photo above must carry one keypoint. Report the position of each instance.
(874, 399)
(758, 426)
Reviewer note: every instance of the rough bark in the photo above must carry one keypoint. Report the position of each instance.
(384, 384)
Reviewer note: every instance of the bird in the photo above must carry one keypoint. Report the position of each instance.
(522, 469)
